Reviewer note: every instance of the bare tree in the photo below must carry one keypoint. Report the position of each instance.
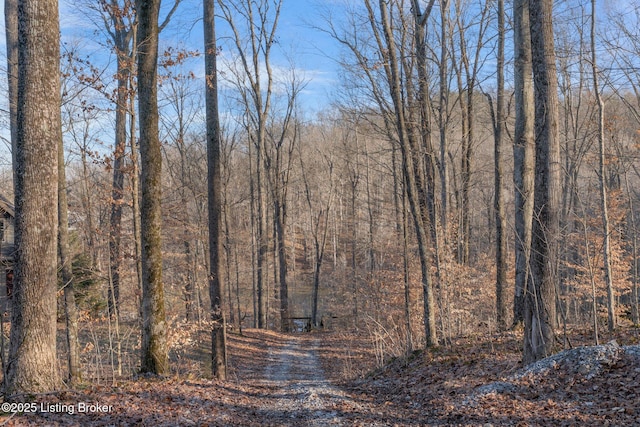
(319, 209)
(540, 302)
(417, 205)
(284, 140)
(467, 65)
(523, 153)
(154, 357)
(11, 36)
(606, 245)
(218, 339)
(384, 60)
(78, 129)
(576, 130)
(31, 365)
(444, 116)
(64, 253)
(498, 119)
(624, 40)
(254, 81)
(182, 109)
(119, 20)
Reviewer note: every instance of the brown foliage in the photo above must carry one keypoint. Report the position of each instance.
(437, 387)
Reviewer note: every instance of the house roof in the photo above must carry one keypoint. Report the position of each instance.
(7, 205)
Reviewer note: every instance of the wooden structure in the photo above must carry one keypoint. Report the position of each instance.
(300, 324)
(7, 242)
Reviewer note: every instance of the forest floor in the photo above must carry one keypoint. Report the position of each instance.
(329, 378)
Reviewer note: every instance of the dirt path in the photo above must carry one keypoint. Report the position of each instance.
(298, 392)
(274, 380)
(307, 380)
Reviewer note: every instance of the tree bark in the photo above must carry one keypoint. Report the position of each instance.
(409, 171)
(606, 241)
(11, 39)
(500, 208)
(218, 337)
(523, 153)
(443, 119)
(280, 220)
(540, 300)
(280, 162)
(154, 338)
(261, 234)
(32, 365)
(135, 191)
(122, 36)
(64, 252)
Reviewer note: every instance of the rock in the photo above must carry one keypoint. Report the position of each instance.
(587, 362)
(498, 387)
(584, 362)
(633, 352)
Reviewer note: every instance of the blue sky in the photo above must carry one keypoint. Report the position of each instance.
(310, 49)
(314, 53)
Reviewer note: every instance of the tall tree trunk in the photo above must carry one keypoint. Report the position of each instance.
(371, 255)
(633, 229)
(32, 365)
(190, 265)
(280, 223)
(354, 179)
(64, 252)
(422, 185)
(118, 20)
(228, 245)
(154, 335)
(606, 244)
(443, 119)
(281, 173)
(254, 244)
(261, 236)
(425, 165)
(11, 39)
(409, 171)
(500, 208)
(117, 194)
(319, 226)
(317, 268)
(117, 200)
(319, 244)
(218, 337)
(466, 129)
(540, 300)
(406, 271)
(135, 193)
(523, 153)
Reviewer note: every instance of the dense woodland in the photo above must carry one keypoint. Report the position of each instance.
(476, 171)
